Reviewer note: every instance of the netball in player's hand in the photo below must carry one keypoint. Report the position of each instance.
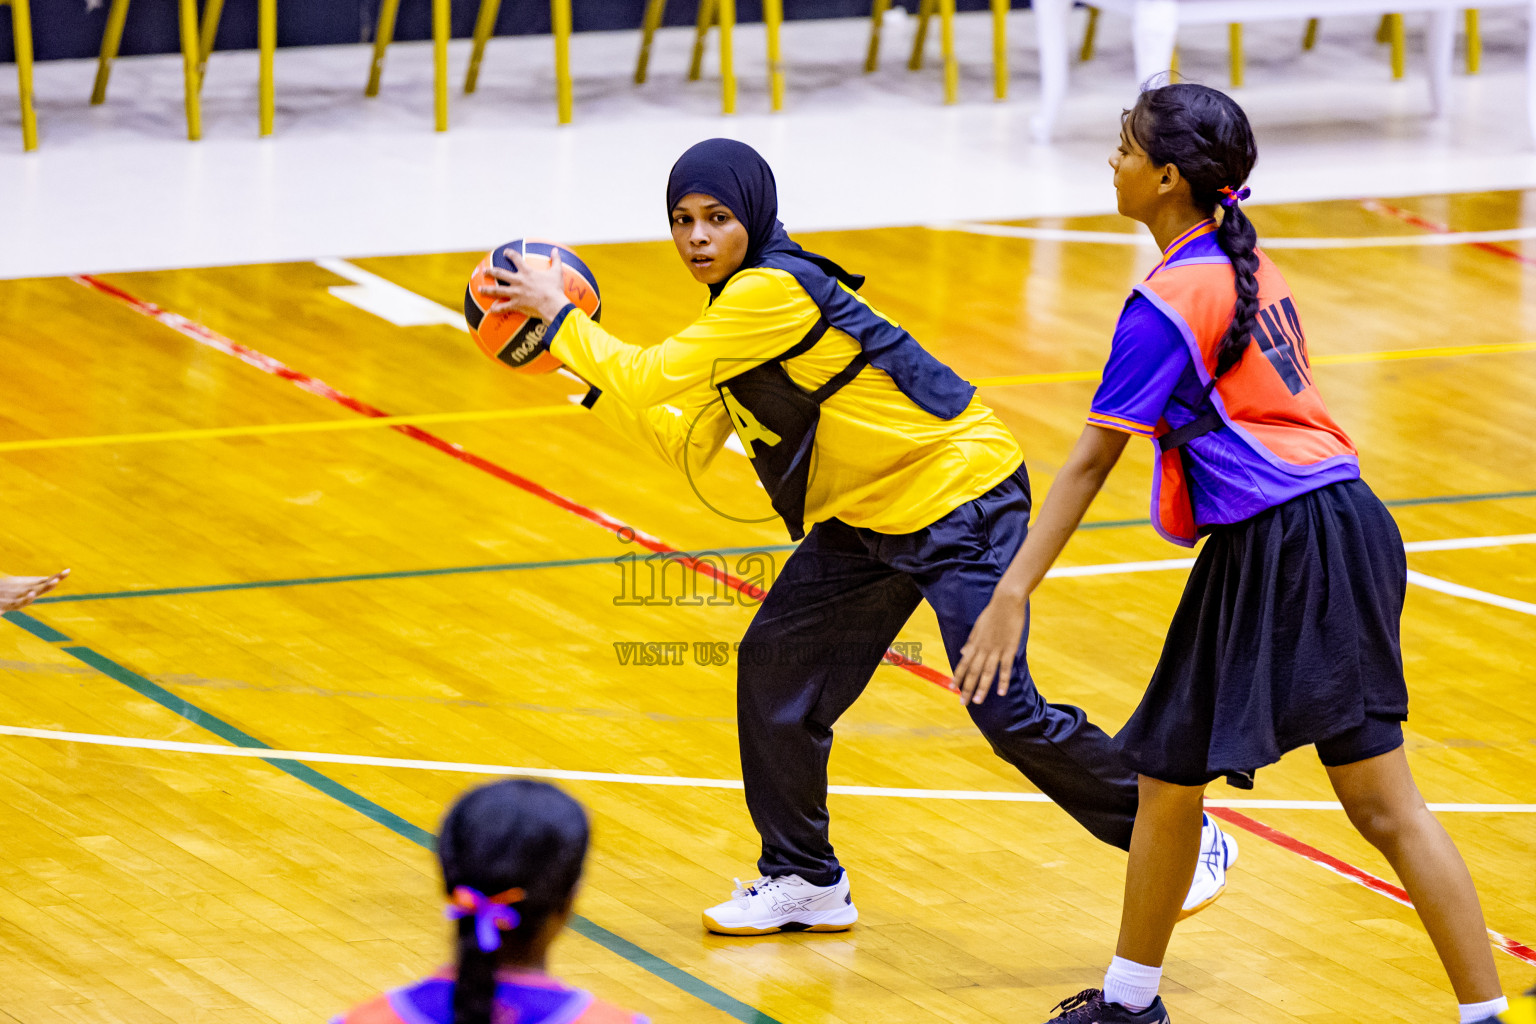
(532, 291)
(20, 591)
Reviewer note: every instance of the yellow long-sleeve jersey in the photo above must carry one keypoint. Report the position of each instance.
(882, 462)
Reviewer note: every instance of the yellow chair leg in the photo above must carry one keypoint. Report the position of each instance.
(560, 22)
(1089, 35)
(21, 31)
(111, 39)
(951, 65)
(190, 42)
(773, 17)
(1309, 40)
(654, 10)
(213, 14)
(708, 11)
(485, 26)
(876, 22)
(1384, 29)
(1173, 66)
(925, 11)
(266, 42)
(1474, 43)
(383, 35)
(727, 9)
(1399, 45)
(1000, 49)
(440, 63)
(1235, 46)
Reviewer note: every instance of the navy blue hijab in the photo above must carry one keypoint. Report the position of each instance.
(738, 177)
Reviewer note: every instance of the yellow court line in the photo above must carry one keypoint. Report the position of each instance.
(1444, 352)
(208, 433)
(476, 416)
(1336, 359)
(1069, 377)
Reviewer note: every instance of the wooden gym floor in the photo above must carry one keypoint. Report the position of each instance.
(258, 565)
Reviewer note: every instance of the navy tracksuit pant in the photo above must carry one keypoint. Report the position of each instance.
(811, 649)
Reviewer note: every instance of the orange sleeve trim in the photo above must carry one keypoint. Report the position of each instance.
(1099, 419)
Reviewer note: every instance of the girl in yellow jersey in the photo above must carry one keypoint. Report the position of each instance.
(919, 493)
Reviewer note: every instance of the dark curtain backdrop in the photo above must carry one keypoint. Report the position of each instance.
(67, 28)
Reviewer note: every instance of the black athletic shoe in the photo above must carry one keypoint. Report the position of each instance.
(1089, 1007)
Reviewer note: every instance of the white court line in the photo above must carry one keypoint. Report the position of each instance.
(1114, 568)
(1268, 242)
(402, 307)
(1457, 590)
(387, 300)
(1450, 544)
(1463, 543)
(316, 757)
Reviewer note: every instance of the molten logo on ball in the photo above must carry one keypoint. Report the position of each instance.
(510, 337)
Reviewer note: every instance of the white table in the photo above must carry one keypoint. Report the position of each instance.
(1155, 26)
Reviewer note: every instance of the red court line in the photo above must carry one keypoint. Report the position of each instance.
(1435, 227)
(1349, 871)
(212, 339)
(206, 336)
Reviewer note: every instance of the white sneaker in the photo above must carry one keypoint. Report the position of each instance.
(1218, 852)
(787, 903)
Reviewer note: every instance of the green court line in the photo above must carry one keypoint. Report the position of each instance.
(1453, 499)
(566, 563)
(307, 581)
(399, 574)
(41, 630)
(457, 570)
(585, 927)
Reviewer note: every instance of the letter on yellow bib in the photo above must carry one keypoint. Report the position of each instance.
(747, 427)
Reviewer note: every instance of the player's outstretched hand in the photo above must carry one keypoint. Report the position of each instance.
(988, 653)
(533, 291)
(20, 591)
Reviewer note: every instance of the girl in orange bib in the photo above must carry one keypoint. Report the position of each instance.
(511, 854)
(1287, 633)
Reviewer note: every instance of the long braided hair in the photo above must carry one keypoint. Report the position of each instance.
(1206, 135)
(515, 849)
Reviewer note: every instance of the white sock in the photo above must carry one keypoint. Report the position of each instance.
(1131, 984)
(1472, 1013)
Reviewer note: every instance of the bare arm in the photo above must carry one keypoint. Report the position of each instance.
(994, 639)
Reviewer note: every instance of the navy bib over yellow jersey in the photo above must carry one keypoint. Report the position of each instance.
(776, 422)
(781, 454)
(881, 460)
